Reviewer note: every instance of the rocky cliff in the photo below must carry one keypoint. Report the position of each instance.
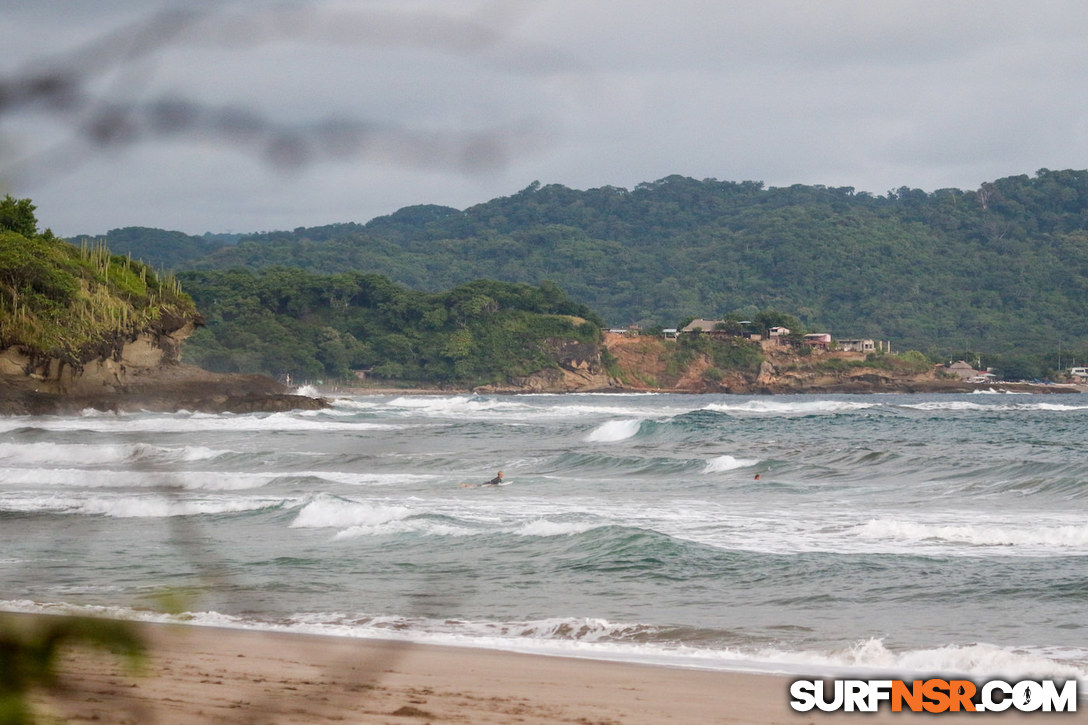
(141, 372)
(83, 328)
(650, 364)
(579, 369)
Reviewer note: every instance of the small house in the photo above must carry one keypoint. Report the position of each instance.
(856, 345)
(701, 326)
(821, 340)
(963, 370)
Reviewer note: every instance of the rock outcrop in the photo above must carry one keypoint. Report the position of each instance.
(141, 373)
(579, 369)
(644, 365)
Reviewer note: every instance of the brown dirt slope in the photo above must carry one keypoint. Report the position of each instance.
(643, 363)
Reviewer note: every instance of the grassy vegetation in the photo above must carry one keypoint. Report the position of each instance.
(727, 353)
(76, 303)
(911, 362)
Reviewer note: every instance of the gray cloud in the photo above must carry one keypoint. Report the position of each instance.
(252, 115)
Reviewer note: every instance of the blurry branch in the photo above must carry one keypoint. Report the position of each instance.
(94, 91)
(29, 656)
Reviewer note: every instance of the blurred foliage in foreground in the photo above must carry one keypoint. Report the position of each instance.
(30, 648)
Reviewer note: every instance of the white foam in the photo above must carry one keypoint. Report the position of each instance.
(569, 411)
(355, 404)
(370, 479)
(728, 463)
(129, 506)
(308, 390)
(522, 409)
(951, 405)
(545, 528)
(37, 454)
(1039, 535)
(978, 660)
(54, 454)
(421, 526)
(615, 430)
(1059, 407)
(962, 405)
(340, 513)
(82, 478)
(194, 422)
(455, 406)
(793, 407)
(594, 638)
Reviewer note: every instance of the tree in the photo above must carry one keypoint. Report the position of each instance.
(1019, 367)
(17, 215)
(767, 319)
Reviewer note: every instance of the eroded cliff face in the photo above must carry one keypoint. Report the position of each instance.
(644, 363)
(579, 369)
(143, 372)
(125, 361)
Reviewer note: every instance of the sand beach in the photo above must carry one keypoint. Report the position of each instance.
(209, 675)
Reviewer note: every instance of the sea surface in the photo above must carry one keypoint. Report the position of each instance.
(899, 533)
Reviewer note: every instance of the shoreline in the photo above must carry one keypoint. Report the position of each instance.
(937, 388)
(182, 387)
(200, 674)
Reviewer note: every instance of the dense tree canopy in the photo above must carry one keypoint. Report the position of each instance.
(17, 215)
(288, 321)
(1000, 268)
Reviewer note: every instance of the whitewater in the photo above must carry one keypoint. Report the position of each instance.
(893, 533)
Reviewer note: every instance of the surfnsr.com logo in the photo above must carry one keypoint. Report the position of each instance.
(934, 695)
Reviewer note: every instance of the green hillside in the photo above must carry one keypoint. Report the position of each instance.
(76, 303)
(997, 269)
(282, 320)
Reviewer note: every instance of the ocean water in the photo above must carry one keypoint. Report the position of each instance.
(895, 533)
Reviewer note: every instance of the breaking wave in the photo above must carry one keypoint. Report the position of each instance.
(728, 463)
(615, 430)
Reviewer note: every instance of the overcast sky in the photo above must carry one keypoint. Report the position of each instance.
(250, 115)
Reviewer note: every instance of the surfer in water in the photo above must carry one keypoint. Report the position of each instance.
(493, 482)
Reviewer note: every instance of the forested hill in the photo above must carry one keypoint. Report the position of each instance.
(994, 269)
